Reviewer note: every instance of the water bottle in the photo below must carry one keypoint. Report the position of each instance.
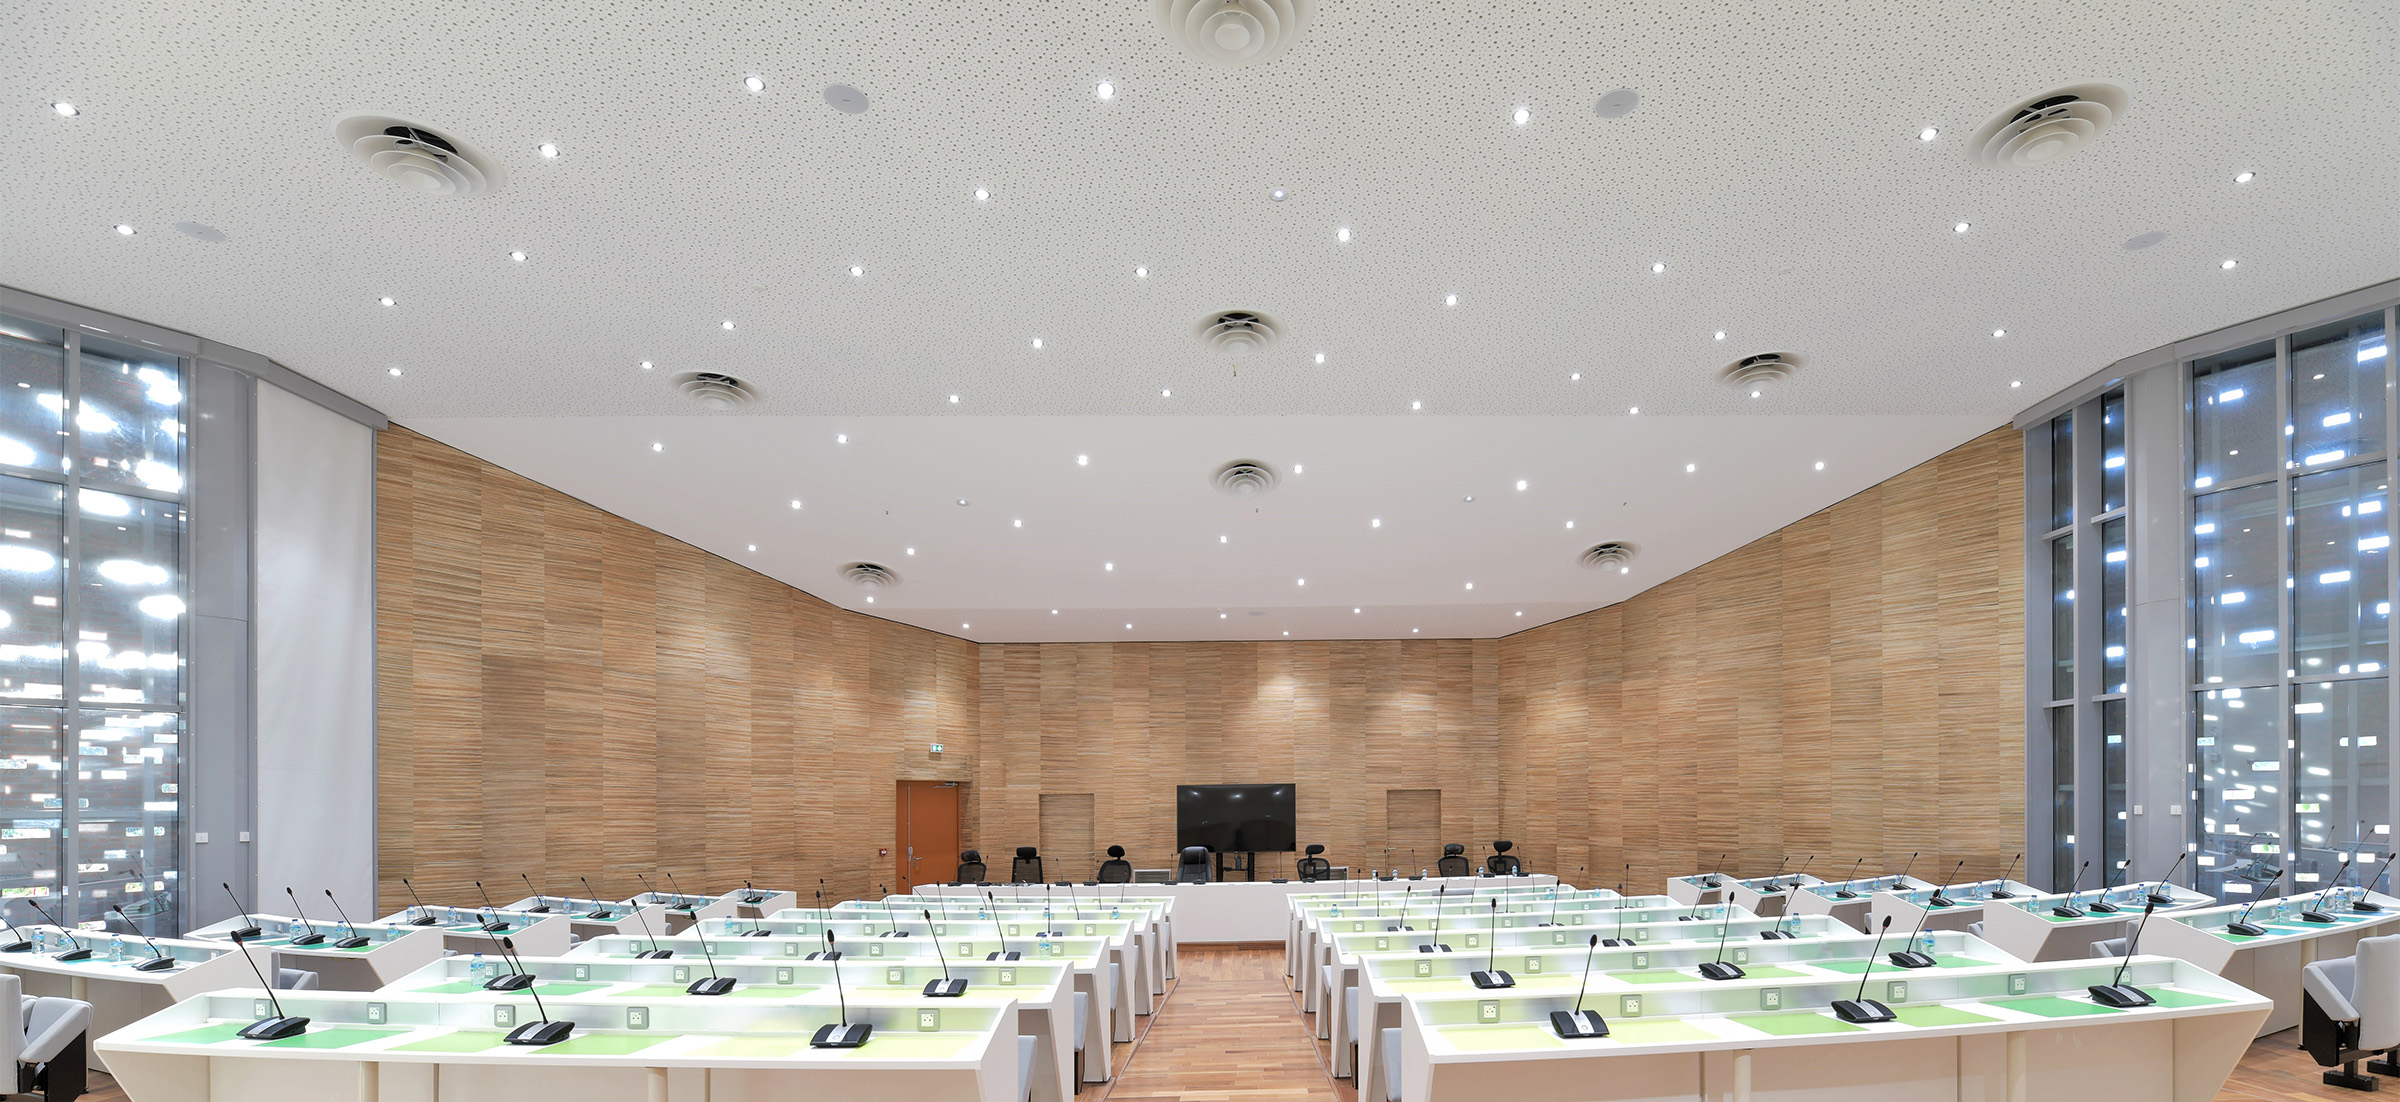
(1927, 947)
(475, 973)
(730, 927)
(116, 947)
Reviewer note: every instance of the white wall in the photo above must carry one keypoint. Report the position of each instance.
(314, 617)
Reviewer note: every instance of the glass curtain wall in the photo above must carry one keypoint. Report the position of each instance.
(2291, 596)
(92, 596)
(2088, 640)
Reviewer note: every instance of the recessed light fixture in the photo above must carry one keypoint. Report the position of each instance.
(1413, 631)
(1416, 405)
(954, 399)
(1520, 485)
(2228, 263)
(67, 109)
(983, 195)
(1018, 523)
(1928, 134)
(1220, 616)
(1083, 461)
(658, 447)
(795, 503)
(1356, 611)
(1450, 300)
(1278, 194)
(388, 300)
(1998, 333)
(1624, 570)
(1820, 464)
(395, 373)
(1303, 581)
(517, 255)
(1320, 357)
(870, 599)
(1520, 612)
(1105, 90)
(857, 271)
(646, 365)
(912, 550)
(841, 438)
(2239, 177)
(1470, 499)
(754, 547)
(1108, 566)
(1054, 612)
(1342, 235)
(1037, 343)
(1224, 539)
(1470, 585)
(1129, 627)
(1720, 334)
(962, 502)
(1298, 468)
(727, 324)
(1633, 409)
(548, 151)
(1688, 468)
(1165, 392)
(124, 230)
(1658, 267)
(1574, 376)
(754, 83)
(1287, 633)
(1376, 522)
(1522, 116)
(2015, 383)
(1141, 271)
(1961, 227)
(1570, 524)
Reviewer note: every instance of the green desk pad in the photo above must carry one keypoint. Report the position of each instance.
(1501, 1038)
(205, 1035)
(458, 1041)
(2052, 1006)
(1795, 1025)
(1933, 1017)
(548, 987)
(337, 1037)
(910, 1046)
(1859, 967)
(1656, 1031)
(603, 1044)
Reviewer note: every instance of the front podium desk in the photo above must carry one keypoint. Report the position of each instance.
(1127, 943)
(1085, 959)
(541, 935)
(2031, 929)
(1245, 911)
(623, 915)
(1767, 896)
(1156, 904)
(1847, 900)
(409, 1047)
(1964, 905)
(118, 994)
(1147, 958)
(2270, 963)
(2003, 1031)
(1314, 918)
(390, 952)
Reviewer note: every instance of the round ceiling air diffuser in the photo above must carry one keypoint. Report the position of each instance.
(2043, 128)
(1233, 32)
(419, 158)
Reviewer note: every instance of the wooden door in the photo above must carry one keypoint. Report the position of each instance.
(927, 836)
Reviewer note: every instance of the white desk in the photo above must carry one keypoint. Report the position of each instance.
(118, 994)
(2030, 929)
(2268, 964)
(1767, 896)
(1847, 900)
(390, 952)
(1247, 912)
(543, 935)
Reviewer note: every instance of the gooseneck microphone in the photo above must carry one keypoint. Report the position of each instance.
(1718, 969)
(492, 922)
(312, 937)
(516, 978)
(1940, 899)
(684, 903)
(842, 1035)
(1437, 946)
(945, 987)
(888, 916)
(2361, 904)
(1579, 1023)
(2241, 923)
(1713, 880)
(2002, 892)
(22, 944)
(354, 941)
(1005, 952)
(1910, 957)
(80, 950)
(249, 927)
(1844, 891)
(1859, 1009)
(2100, 904)
(1491, 976)
(2312, 914)
(1618, 940)
(641, 915)
(1404, 900)
(266, 1029)
(714, 984)
(541, 1031)
(2116, 992)
(2068, 909)
(159, 961)
(2167, 882)
(540, 906)
(751, 896)
(600, 908)
(1797, 877)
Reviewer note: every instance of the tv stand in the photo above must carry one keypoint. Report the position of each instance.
(1244, 863)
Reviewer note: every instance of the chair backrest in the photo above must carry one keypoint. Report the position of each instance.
(1454, 861)
(1192, 866)
(971, 869)
(13, 1006)
(1315, 868)
(1116, 870)
(296, 979)
(1028, 867)
(2376, 994)
(1504, 864)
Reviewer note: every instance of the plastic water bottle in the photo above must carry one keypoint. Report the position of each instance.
(730, 927)
(475, 970)
(116, 947)
(1927, 944)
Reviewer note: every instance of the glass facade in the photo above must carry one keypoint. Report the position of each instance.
(2089, 640)
(92, 636)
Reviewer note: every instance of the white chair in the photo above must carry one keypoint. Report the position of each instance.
(50, 1036)
(2110, 947)
(295, 979)
(1083, 1021)
(2350, 1010)
(1025, 1051)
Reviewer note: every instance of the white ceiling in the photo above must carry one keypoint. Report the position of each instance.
(1773, 165)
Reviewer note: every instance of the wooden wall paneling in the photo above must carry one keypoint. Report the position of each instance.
(1067, 845)
(1412, 827)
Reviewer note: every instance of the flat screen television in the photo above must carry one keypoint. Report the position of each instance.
(1236, 818)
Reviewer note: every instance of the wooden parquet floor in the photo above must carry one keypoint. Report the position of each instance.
(1230, 1031)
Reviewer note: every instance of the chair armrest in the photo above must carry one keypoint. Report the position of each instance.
(2330, 983)
(53, 1024)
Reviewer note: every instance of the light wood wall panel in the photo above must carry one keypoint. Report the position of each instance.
(563, 692)
(1851, 685)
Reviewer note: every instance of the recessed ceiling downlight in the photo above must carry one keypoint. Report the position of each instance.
(2043, 128)
(714, 390)
(1760, 370)
(1233, 32)
(1245, 478)
(1236, 332)
(869, 576)
(419, 158)
(1615, 554)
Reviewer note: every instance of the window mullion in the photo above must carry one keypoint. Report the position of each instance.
(70, 787)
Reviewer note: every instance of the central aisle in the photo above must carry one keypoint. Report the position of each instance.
(1230, 1031)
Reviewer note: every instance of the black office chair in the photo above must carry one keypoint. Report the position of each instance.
(971, 869)
(1028, 867)
(1116, 870)
(1192, 867)
(1501, 862)
(1454, 861)
(1314, 868)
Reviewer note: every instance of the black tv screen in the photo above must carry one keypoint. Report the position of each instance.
(1236, 818)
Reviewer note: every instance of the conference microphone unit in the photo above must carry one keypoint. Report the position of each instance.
(1777, 932)
(889, 917)
(844, 1034)
(541, 1031)
(1491, 976)
(1001, 931)
(312, 937)
(2241, 923)
(2116, 992)
(755, 930)
(1405, 897)
(1713, 880)
(353, 941)
(714, 984)
(2361, 904)
(1580, 1024)
(2313, 914)
(1844, 891)
(654, 952)
(1939, 899)
(945, 987)
(249, 927)
(600, 909)
(1910, 957)
(2002, 891)
(1437, 946)
(1797, 877)
(516, 978)
(492, 922)
(1717, 969)
(1619, 940)
(22, 944)
(682, 902)
(2160, 896)
(2068, 909)
(267, 1029)
(540, 906)
(80, 950)
(1859, 1009)
(159, 961)
(751, 896)
(2100, 904)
